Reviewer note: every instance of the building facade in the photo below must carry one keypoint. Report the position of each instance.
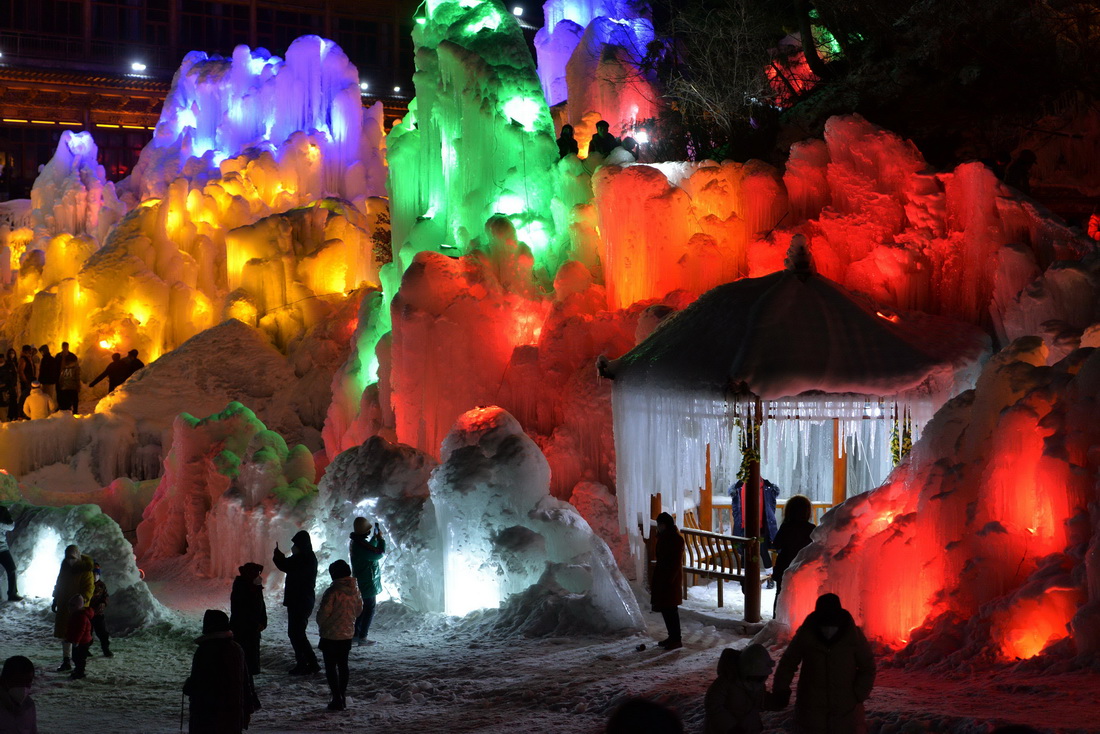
(106, 65)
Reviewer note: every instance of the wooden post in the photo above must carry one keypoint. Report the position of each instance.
(840, 466)
(706, 500)
(752, 494)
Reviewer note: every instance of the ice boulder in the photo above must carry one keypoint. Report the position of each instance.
(39, 540)
(506, 541)
(230, 490)
(386, 483)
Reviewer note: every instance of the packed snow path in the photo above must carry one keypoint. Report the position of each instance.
(428, 675)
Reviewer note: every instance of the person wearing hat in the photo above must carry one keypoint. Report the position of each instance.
(248, 613)
(74, 578)
(299, 595)
(223, 698)
(340, 606)
(837, 671)
(666, 586)
(17, 710)
(99, 605)
(38, 404)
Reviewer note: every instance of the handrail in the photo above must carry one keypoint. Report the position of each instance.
(709, 534)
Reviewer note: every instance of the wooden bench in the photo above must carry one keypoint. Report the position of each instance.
(712, 555)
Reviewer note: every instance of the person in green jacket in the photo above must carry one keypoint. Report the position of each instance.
(366, 550)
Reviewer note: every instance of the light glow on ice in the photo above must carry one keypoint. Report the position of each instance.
(469, 584)
(41, 572)
(524, 111)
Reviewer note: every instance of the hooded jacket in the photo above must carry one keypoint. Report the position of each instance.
(734, 701)
(300, 588)
(220, 687)
(340, 605)
(248, 611)
(667, 583)
(17, 717)
(836, 677)
(71, 580)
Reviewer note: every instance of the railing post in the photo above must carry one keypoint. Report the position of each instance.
(706, 499)
(752, 494)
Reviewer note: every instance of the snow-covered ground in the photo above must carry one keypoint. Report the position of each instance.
(429, 674)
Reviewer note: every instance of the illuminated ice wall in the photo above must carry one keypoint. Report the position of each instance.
(984, 543)
(255, 196)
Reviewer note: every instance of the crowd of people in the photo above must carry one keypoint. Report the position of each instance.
(34, 384)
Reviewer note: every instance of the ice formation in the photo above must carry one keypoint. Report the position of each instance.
(230, 490)
(502, 532)
(589, 57)
(40, 537)
(983, 544)
(240, 206)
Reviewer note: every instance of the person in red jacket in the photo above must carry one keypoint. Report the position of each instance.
(666, 586)
(79, 634)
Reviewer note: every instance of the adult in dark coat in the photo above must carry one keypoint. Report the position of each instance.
(603, 142)
(133, 364)
(115, 373)
(299, 595)
(366, 553)
(838, 671)
(793, 536)
(248, 613)
(49, 371)
(220, 687)
(666, 586)
(567, 144)
(9, 394)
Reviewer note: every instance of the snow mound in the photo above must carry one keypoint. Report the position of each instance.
(39, 540)
(502, 534)
(230, 490)
(982, 546)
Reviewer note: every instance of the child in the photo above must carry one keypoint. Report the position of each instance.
(735, 699)
(248, 613)
(341, 604)
(79, 634)
(99, 606)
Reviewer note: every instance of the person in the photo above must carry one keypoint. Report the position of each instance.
(222, 695)
(79, 633)
(17, 711)
(133, 364)
(366, 553)
(767, 514)
(1018, 173)
(116, 373)
(837, 671)
(38, 404)
(603, 142)
(11, 364)
(641, 716)
(666, 586)
(735, 699)
(99, 606)
(26, 371)
(299, 594)
(248, 613)
(49, 371)
(9, 395)
(793, 535)
(75, 577)
(7, 524)
(68, 383)
(567, 144)
(340, 605)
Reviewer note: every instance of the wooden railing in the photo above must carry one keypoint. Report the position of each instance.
(713, 556)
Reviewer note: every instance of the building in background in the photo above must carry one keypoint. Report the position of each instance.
(105, 65)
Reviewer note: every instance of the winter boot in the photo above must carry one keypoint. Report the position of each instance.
(107, 652)
(337, 704)
(66, 665)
